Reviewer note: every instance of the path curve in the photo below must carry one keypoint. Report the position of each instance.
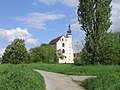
(55, 81)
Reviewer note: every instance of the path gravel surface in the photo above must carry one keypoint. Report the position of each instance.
(55, 81)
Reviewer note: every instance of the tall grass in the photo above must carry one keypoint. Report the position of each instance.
(102, 82)
(108, 77)
(23, 77)
(20, 77)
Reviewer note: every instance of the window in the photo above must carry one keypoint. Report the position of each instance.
(63, 45)
(63, 51)
(62, 39)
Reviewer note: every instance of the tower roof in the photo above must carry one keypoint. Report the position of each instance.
(69, 31)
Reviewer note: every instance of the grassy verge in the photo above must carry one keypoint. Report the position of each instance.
(102, 82)
(76, 70)
(108, 77)
(23, 77)
(20, 77)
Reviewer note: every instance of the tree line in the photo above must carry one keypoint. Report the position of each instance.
(101, 46)
(17, 53)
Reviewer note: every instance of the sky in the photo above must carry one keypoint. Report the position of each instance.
(39, 21)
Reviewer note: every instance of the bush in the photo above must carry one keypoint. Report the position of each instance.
(78, 61)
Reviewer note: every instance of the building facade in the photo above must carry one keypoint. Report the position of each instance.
(64, 44)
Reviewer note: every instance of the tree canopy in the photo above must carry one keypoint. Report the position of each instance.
(44, 53)
(15, 53)
(94, 17)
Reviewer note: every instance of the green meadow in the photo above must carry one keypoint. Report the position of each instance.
(23, 76)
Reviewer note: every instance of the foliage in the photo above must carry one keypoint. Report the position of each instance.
(117, 35)
(103, 82)
(60, 54)
(20, 77)
(94, 16)
(15, 53)
(44, 53)
(78, 61)
(109, 50)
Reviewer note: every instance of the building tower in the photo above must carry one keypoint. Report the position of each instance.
(69, 48)
(64, 44)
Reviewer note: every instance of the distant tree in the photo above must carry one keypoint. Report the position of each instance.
(15, 53)
(44, 53)
(94, 16)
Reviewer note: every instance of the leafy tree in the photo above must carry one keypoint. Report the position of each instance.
(15, 53)
(44, 53)
(94, 16)
(109, 50)
(60, 54)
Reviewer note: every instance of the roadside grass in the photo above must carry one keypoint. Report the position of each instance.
(20, 77)
(70, 69)
(108, 77)
(102, 82)
(23, 77)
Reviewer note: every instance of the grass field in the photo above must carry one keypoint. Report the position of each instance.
(20, 77)
(108, 77)
(23, 77)
(77, 70)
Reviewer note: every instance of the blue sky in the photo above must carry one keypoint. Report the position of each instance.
(39, 21)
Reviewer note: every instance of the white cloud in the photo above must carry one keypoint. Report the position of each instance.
(76, 27)
(70, 3)
(1, 51)
(38, 20)
(10, 35)
(115, 16)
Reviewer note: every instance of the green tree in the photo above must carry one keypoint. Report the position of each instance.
(109, 50)
(60, 54)
(44, 53)
(15, 53)
(94, 16)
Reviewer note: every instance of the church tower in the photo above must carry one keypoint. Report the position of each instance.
(64, 44)
(69, 47)
(69, 32)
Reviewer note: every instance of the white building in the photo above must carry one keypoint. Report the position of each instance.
(64, 44)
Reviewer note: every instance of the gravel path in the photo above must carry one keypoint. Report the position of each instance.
(55, 81)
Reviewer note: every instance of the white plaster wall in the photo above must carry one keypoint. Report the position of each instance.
(68, 49)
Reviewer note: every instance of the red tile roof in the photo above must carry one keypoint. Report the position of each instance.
(55, 40)
(76, 54)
